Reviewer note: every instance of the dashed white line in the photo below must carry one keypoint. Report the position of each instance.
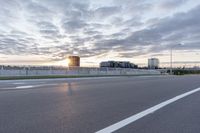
(142, 114)
(19, 83)
(28, 86)
(33, 86)
(24, 87)
(22, 83)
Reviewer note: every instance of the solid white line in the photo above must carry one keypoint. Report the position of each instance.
(138, 116)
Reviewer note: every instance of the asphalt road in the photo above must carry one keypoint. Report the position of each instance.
(92, 104)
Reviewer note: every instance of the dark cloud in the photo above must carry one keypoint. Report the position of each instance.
(74, 25)
(48, 30)
(92, 32)
(104, 12)
(171, 4)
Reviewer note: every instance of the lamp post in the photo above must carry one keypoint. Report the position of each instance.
(171, 50)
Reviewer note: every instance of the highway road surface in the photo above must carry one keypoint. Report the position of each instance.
(155, 104)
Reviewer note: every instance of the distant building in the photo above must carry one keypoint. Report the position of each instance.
(118, 64)
(153, 63)
(74, 61)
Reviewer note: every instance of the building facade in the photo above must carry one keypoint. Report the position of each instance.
(74, 61)
(118, 64)
(153, 63)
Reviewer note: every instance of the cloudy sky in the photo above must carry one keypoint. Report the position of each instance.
(45, 32)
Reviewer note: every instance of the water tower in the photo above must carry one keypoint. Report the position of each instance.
(74, 61)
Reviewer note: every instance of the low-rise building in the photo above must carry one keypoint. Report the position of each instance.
(118, 64)
(153, 63)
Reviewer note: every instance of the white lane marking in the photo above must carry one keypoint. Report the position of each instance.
(33, 86)
(28, 86)
(24, 87)
(148, 111)
(20, 83)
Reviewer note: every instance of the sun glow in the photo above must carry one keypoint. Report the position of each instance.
(63, 62)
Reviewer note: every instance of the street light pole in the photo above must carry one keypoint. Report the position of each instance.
(171, 61)
(171, 50)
